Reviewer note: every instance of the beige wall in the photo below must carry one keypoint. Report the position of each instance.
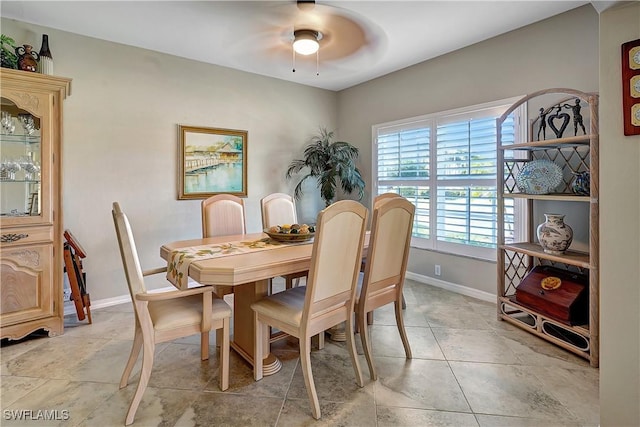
(559, 52)
(619, 231)
(120, 141)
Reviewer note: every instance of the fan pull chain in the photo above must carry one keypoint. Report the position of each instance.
(318, 62)
(293, 51)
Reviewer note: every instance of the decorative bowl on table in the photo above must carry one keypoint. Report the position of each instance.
(291, 233)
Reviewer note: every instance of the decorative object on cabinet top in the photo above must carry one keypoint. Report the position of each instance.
(27, 58)
(46, 58)
(539, 177)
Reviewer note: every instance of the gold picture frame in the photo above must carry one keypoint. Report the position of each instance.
(211, 161)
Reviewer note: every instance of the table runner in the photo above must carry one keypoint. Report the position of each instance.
(180, 259)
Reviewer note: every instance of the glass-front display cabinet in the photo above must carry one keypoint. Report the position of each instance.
(30, 203)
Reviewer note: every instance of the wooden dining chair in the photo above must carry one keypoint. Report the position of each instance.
(385, 269)
(166, 316)
(328, 297)
(380, 198)
(223, 215)
(279, 209)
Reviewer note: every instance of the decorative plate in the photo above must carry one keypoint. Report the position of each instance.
(539, 177)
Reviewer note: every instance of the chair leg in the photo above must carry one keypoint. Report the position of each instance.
(257, 348)
(145, 373)
(219, 337)
(403, 332)
(351, 346)
(366, 346)
(135, 351)
(305, 364)
(224, 356)
(204, 345)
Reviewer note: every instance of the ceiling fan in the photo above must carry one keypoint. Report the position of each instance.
(339, 33)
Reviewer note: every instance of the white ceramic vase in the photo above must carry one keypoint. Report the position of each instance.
(554, 235)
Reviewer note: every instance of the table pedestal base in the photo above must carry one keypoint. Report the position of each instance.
(270, 364)
(338, 333)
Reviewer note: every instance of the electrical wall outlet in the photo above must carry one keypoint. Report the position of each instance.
(437, 269)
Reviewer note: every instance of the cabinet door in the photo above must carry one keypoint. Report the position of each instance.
(26, 162)
(27, 283)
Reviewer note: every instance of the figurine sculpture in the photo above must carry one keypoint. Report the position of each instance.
(561, 116)
(577, 117)
(543, 124)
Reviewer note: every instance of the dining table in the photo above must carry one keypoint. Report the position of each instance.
(246, 262)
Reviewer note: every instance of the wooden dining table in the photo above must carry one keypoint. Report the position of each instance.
(249, 273)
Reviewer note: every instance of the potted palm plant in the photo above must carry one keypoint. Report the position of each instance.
(331, 163)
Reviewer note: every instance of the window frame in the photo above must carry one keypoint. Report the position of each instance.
(432, 120)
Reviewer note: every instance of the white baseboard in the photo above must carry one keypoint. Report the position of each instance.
(69, 308)
(459, 289)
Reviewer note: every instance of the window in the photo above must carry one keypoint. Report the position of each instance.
(445, 163)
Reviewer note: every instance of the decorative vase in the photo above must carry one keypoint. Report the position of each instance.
(581, 183)
(46, 58)
(27, 58)
(554, 235)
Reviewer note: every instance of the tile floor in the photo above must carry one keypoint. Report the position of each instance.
(468, 369)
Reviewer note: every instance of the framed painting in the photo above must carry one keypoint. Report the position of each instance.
(212, 161)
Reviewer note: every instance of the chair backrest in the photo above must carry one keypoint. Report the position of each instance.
(389, 244)
(278, 209)
(335, 262)
(384, 197)
(128, 252)
(223, 215)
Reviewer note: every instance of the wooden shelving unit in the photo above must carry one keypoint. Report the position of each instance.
(515, 259)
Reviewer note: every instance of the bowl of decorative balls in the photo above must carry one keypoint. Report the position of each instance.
(291, 232)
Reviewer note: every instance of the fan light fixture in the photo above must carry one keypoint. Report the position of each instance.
(306, 42)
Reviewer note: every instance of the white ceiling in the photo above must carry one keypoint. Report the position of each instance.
(254, 36)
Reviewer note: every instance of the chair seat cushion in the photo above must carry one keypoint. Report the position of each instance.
(179, 312)
(285, 306)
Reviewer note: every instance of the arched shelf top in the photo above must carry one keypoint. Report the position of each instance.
(589, 98)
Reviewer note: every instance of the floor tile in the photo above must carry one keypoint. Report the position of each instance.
(474, 345)
(393, 417)
(508, 390)
(420, 384)
(468, 369)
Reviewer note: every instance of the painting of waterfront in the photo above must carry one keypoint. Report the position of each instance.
(212, 161)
